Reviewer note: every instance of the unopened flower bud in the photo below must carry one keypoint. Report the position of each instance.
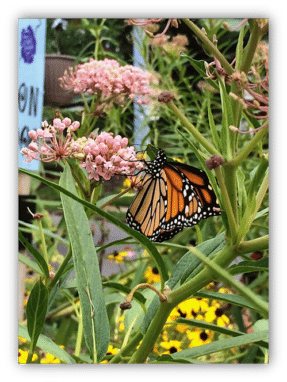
(125, 305)
(214, 161)
(165, 97)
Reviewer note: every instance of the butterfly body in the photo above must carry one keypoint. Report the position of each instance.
(172, 196)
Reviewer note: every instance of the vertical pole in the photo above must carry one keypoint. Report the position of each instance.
(141, 112)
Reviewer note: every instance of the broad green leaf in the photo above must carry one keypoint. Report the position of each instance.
(36, 255)
(95, 318)
(36, 311)
(46, 344)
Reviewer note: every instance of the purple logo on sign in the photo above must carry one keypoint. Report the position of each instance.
(28, 45)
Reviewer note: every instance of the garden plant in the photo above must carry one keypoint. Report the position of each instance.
(201, 297)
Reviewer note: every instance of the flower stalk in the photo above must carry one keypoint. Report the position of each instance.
(191, 129)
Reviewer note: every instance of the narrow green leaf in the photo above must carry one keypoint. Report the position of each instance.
(36, 255)
(219, 329)
(230, 298)
(95, 318)
(199, 66)
(249, 266)
(220, 345)
(215, 137)
(239, 48)
(36, 311)
(226, 121)
(30, 263)
(246, 220)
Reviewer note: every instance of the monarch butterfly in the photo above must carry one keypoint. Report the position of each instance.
(172, 196)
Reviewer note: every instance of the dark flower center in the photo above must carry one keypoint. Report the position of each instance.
(219, 312)
(203, 336)
(173, 349)
(155, 271)
(181, 313)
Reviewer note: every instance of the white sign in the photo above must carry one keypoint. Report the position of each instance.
(31, 61)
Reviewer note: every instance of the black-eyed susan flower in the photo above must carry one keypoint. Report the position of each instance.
(171, 346)
(118, 257)
(49, 358)
(199, 337)
(152, 275)
(216, 313)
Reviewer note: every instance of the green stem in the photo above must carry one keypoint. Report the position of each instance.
(230, 182)
(110, 201)
(127, 349)
(210, 46)
(227, 204)
(203, 278)
(43, 242)
(79, 336)
(152, 334)
(191, 129)
(61, 270)
(259, 244)
(254, 39)
(248, 148)
(30, 353)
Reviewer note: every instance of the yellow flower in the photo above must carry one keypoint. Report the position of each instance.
(21, 339)
(172, 346)
(121, 326)
(127, 183)
(49, 358)
(181, 328)
(118, 256)
(111, 351)
(152, 275)
(23, 355)
(199, 337)
(216, 313)
(174, 314)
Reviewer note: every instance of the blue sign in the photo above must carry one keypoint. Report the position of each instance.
(31, 68)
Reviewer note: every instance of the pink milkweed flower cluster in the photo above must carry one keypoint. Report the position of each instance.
(110, 81)
(107, 155)
(49, 143)
(102, 157)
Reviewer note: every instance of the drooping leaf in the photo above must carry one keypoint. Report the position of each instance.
(95, 318)
(36, 311)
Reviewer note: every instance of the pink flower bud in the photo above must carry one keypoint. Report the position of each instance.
(33, 146)
(116, 146)
(103, 148)
(67, 122)
(32, 134)
(75, 125)
(57, 122)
